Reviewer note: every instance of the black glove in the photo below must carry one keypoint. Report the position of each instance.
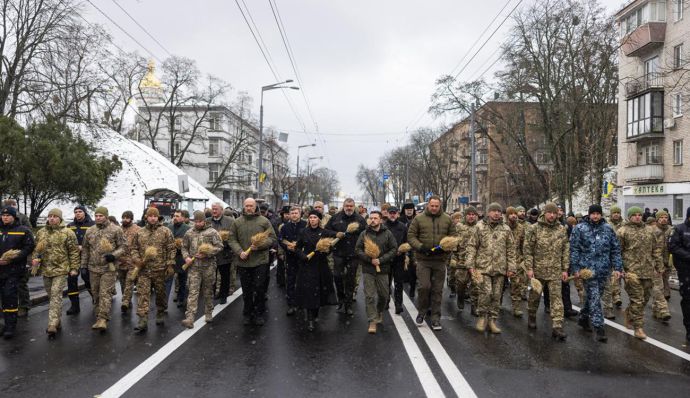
(109, 258)
(426, 251)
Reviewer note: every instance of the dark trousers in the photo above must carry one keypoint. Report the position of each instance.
(684, 290)
(431, 275)
(182, 291)
(292, 266)
(253, 280)
(280, 271)
(23, 296)
(397, 278)
(344, 275)
(224, 271)
(8, 292)
(73, 282)
(411, 276)
(565, 294)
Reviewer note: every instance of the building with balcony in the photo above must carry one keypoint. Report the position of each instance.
(653, 95)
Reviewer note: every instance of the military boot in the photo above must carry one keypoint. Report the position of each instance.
(348, 310)
(74, 308)
(51, 331)
(481, 324)
(160, 318)
(532, 321)
(188, 323)
(493, 327)
(628, 324)
(124, 308)
(208, 318)
(10, 325)
(142, 327)
(601, 335)
(379, 317)
(584, 324)
(460, 302)
(101, 324)
(558, 333)
(372, 327)
(640, 334)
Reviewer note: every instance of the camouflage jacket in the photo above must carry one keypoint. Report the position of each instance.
(640, 251)
(464, 231)
(518, 230)
(157, 236)
(547, 249)
(193, 238)
(491, 248)
(126, 257)
(615, 225)
(663, 235)
(91, 251)
(61, 251)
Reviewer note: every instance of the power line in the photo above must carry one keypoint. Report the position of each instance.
(142, 28)
(124, 31)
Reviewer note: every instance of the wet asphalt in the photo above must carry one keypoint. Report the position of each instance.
(340, 359)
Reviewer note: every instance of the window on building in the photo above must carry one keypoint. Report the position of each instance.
(653, 11)
(214, 147)
(678, 56)
(543, 158)
(645, 114)
(177, 148)
(677, 104)
(214, 122)
(649, 154)
(678, 209)
(177, 123)
(482, 157)
(213, 171)
(250, 158)
(678, 152)
(677, 10)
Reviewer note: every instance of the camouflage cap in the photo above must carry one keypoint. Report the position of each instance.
(199, 216)
(615, 209)
(494, 207)
(634, 210)
(102, 210)
(550, 208)
(519, 209)
(470, 209)
(661, 213)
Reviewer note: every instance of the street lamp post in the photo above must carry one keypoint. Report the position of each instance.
(309, 164)
(297, 178)
(274, 86)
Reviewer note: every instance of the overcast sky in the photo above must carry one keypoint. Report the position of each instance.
(367, 67)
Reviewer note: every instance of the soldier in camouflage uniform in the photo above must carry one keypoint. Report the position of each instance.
(101, 263)
(612, 292)
(663, 233)
(201, 273)
(463, 278)
(129, 229)
(452, 265)
(491, 251)
(642, 256)
(59, 257)
(153, 271)
(547, 259)
(518, 283)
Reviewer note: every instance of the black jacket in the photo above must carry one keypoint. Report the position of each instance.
(679, 246)
(339, 223)
(178, 232)
(224, 223)
(79, 227)
(15, 237)
(291, 231)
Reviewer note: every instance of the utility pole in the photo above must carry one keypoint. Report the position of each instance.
(473, 158)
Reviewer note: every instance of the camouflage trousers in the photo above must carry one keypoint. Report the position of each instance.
(555, 302)
(145, 281)
(463, 281)
(450, 271)
(126, 285)
(200, 280)
(665, 279)
(54, 287)
(592, 307)
(489, 299)
(518, 285)
(102, 285)
(611, 295)
(639, 294)
(659, 303)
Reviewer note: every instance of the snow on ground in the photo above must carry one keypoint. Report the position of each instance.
(143, 169)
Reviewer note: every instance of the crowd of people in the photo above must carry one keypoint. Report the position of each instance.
(324, 254)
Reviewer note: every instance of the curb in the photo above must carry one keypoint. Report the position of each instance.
(42, 297)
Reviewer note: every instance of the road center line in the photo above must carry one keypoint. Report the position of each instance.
(654, 342)
(455, 378)
(419, 363)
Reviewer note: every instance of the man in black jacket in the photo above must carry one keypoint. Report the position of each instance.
(13, 236)
(344, 257)
(82, 222)
(289, 235)
(679, 246)
(397, 274)
(178, 228)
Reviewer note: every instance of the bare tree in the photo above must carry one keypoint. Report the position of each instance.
(369, 180)
(125, 72)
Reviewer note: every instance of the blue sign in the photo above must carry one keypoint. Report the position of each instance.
(286, 196)
(386, 177)
(415, 199)
(428, 195)
(464, 200)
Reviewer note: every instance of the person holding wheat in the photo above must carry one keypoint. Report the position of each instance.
(251, 237)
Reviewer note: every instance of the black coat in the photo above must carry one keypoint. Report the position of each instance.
(315, 286)
(679, 246)
(339, 223)
(399, 230)
(224, 223)
(15, 237)
(79, 227)
(178, 232)
(291, 232)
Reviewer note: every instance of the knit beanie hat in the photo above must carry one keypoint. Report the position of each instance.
(616, 209)
(55, 212)
(102, 210)
(595, 208)
(199, 216)
(634, 210)
(152, 211)
(494, 207)
(519, 209)
(551, 208)
(471, 209)
(661, 213)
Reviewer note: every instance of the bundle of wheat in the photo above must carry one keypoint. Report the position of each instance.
(536, 285)
(178, 243)
(448, 244)
(632, 278)
(322, 246)
(477, 277)
(371, 249)
(351, 229)
(259, 239)
(10, 255)
(105, 246)
(206, 249)
(40, 247)
(404, 248)
(586, 273)
(150, 253)
(224, 235)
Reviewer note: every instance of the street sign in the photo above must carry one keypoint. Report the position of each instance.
(464, 200)
(386, 177)
(428, 195)
(415, 199)
(286, 196)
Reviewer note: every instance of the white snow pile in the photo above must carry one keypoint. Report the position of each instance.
(143, 169)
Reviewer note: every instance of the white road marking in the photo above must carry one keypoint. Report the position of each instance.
(138, 373)
(455, 378)
(654, 342)
(420, 365)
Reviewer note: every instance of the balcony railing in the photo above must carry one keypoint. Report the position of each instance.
(644, 173)
(645, 38)
(644, 83)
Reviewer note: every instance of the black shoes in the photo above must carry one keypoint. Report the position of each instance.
(584, 324)
(420, 319)
(570, 313)
(601, 335)
(398, 309)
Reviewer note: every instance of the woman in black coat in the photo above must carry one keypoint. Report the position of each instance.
(315, 286)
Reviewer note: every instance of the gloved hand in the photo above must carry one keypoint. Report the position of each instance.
(426, 251)
(109, 258)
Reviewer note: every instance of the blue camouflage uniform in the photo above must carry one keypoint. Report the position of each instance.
(596, 247)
